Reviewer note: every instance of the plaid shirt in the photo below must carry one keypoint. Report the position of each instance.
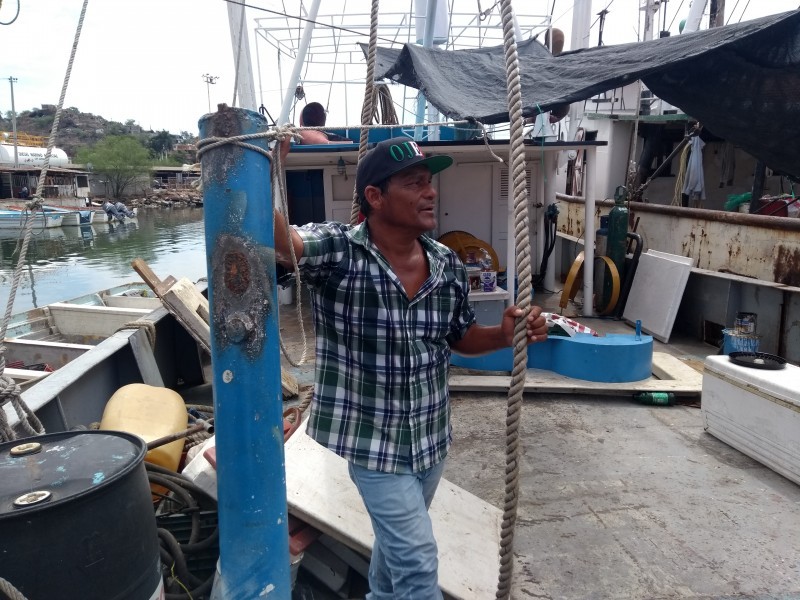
(381, 395)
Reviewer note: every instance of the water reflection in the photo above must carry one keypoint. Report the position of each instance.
(65, 262)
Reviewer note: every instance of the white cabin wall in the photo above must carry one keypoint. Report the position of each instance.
(465, 200)
(612, 160)
(339, 194)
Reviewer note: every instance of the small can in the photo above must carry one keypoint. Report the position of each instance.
(745, 323)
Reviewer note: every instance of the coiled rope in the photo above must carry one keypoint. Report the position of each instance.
(523, 301)
(9, 391)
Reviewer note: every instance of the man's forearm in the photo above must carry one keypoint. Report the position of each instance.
(481, 339)
(283, 233)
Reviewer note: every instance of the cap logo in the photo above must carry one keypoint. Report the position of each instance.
(404, 151)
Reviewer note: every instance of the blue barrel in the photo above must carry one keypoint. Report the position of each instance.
(77, 518)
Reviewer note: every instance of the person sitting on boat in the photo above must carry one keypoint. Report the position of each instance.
(313, 115)
(23, 193)
(390, 304)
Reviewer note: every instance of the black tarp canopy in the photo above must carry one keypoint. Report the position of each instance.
(742, 82)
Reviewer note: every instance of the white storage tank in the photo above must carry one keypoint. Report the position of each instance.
(30, 156)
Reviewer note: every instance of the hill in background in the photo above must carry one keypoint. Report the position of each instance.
(77, 130)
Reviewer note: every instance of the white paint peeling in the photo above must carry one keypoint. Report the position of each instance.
(266, 591)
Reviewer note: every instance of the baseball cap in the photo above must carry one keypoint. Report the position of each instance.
(391, 156)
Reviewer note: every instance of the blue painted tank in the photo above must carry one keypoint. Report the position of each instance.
(613, 358)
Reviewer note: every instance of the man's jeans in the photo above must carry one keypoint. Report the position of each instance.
(404, 561)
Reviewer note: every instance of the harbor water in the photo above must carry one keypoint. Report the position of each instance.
(66, 262)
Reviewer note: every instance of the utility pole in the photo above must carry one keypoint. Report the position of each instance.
(11, 80)
(210, 80)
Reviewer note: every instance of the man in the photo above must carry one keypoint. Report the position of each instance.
(389, 304)
(23, 193)
(313, 115)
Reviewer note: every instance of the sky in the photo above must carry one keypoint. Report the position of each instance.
(145, 60)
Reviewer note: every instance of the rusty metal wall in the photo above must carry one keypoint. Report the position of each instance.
(745, 263)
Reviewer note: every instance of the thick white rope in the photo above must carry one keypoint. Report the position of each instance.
(368, 107)
(10, 591)
(523, 301)
(28, 421)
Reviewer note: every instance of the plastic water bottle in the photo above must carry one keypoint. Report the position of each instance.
(655, 398)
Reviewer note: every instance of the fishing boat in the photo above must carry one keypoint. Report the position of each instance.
(54, 335)
(617, 500)
(16, 219)
(72, 218)
(575, 172)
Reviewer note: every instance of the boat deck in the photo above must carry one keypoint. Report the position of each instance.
(619, 499)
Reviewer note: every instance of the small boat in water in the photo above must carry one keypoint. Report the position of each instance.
(16, 219)
(72, 217)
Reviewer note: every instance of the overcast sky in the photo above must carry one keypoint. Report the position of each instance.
(145, 60)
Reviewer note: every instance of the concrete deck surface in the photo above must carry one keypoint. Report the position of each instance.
(621, 500)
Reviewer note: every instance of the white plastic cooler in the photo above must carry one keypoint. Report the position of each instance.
(756, 411)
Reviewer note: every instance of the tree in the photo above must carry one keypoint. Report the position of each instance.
(120, 159)
(161, 143)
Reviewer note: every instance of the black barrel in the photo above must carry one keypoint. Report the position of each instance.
(76, 518)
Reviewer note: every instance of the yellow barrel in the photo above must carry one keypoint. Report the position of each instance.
(151, 413)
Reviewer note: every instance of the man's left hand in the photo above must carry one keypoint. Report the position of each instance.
(535, 324)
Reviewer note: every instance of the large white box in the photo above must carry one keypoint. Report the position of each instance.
(756, 411)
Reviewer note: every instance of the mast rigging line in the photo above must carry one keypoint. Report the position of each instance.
(303, 19)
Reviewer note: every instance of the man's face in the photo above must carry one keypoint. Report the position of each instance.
(410, 200)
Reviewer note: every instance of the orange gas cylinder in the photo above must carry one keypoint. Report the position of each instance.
(151, 413)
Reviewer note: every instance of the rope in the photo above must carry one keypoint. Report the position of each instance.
(148, 326)
(10, 591)
(523, 301)
(8, 389)
(387, 115)
(282, 205)
(680, 178)
(10, 393)
(367, 108)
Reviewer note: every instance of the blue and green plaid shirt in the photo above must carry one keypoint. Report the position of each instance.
(380, 395)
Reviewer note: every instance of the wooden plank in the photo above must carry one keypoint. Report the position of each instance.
(150, 278)
(183, 301)
(683, 381)
(667, 366)
(467, 529)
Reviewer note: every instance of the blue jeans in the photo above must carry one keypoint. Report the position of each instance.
(404, 560)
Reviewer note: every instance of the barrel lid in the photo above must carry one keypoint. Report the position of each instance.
(51, 469)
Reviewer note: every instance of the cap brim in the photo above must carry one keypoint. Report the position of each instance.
(436, 163)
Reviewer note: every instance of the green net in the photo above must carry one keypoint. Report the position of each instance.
(735, 200)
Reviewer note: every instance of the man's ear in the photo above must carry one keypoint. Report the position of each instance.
(374, 196)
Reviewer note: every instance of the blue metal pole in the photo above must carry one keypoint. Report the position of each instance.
(251, 480)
